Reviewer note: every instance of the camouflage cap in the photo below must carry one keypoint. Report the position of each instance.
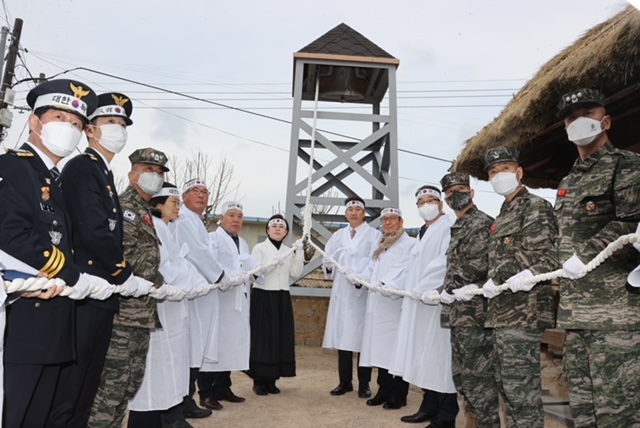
(149, 155)
(579, 97)
(453, 179)
(500, 154)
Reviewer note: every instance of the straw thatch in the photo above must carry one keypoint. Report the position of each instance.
(607, 57)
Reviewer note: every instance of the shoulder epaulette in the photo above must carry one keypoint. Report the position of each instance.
(91, 156)
(20, 153)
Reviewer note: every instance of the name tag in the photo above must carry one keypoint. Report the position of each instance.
(47, 208)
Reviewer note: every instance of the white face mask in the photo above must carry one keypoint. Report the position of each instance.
(584, 130)
(60, 138)
(429, 212)
(114, 137)
(505, 183)
(150, 182)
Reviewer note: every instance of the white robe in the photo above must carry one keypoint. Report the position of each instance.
(203, 311)
(166, 375)
(234, 333)
(422, 352)
(382, 314)
(277, 278)
(345, 318)
(3, 321)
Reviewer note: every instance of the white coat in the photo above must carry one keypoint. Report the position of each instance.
(234, 333)
(345, 318)
(278, 278)
(422, 352)
(3, 321)
(203, 311)
(382, 314)
(166, 375)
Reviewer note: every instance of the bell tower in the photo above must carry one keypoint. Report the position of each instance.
(356, 136)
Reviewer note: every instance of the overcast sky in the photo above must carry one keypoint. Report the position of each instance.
(240, 53)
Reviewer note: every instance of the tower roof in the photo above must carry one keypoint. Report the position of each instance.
(345, 41)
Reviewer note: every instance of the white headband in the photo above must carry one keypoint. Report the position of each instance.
(230, 206)
(63, 101)
(429, 191)
(276, 221)
(110, 110)
(395, 211)
(191, 184)
(167, 191)
(354, 204)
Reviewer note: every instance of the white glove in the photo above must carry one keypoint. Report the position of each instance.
(382, 290)
(298, 245)
(464, 294)
(489, 289)
(100, 289)
(431, 297)
(176, 294)
(636, 245)
(82, 288)
(279, 260)
(159, 293)
(225, 283)
(326, 262)
(130, 286)
(447, 298)
(574, 268)
(517, 282)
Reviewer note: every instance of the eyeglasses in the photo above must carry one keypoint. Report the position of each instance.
(177, 203)
(204, 192)
(389, 219)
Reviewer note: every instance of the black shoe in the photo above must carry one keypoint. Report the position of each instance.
(211, 403)
(377, 400)
(260, 390)
(191, 411)
(273, 389)
(364, 391)
(439, 423)
(177, 424)
(342, 389)
(417, 417)
(230, 397)
(394, 404)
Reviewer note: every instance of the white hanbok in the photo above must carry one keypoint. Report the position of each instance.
(234, 332)
(345, 318)
(166, 375)
(3, 321)
(203, 311)
(382, 314)
(422, 352)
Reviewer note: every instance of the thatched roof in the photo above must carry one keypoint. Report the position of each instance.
(607, 57)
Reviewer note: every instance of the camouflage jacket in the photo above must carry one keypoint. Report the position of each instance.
(141, 249)
(524, 236)
(467, 263)
(596, 203)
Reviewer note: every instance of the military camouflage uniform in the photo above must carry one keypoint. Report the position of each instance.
(125, 362)
(471, 343)
(524, 236)
(596, 203)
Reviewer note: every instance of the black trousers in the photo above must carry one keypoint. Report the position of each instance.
(441, 405)
(213, 384)
(345, 368)
(29, 390)
(80, 379)
(391, 387)
(149, 419)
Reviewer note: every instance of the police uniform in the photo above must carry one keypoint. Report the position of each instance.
(126, 357)
(35, 228)
(94, 208)
(598, 201)
(523, 237)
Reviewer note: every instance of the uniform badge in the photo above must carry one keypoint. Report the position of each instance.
(112, 224)
(562, 192)
(55, 237)
(147, 219)
(47, 180)
(508, 241)
(493, 228)
(591, 206)
(110, 191)
(46, 193)
(129, 216)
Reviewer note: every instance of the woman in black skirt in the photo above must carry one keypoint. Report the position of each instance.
(272, 333)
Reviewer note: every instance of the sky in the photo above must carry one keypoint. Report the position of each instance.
(460, 62)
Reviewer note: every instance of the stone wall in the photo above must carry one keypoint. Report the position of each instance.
(310, 315)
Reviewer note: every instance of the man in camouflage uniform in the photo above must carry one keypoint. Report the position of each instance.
(598, 201)
(522, 244)
(467, 263)
(125, 362)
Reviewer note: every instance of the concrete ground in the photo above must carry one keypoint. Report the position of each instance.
(305, 402)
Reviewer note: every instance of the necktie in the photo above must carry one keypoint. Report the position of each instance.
(353, 233)
(55, 173)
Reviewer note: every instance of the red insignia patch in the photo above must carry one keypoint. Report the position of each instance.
(562, 192)
(493, 228)
(147, 219)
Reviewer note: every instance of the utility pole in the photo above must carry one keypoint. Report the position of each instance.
(6, 93)
(3, 44)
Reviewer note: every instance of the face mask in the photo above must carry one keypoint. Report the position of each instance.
(460, 200)
(60, 138)
(114, 137)
(150, 182)
(584, 130)
(505, 183)
(429, 212)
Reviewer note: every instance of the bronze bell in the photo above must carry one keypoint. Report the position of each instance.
(340, 84)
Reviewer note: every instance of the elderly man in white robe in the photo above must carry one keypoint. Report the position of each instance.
(387, 270)
(214, 379)
(352, 247)
(191, 234)
(422, 352)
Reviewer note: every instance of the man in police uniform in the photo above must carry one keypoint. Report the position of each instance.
(35, 229)
(96, 217)
(523, 243)
(126, 357)
(598, 201)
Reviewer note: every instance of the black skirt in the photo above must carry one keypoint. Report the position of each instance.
(273, 352)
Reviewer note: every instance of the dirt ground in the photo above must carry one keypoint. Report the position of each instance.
(305, 401)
